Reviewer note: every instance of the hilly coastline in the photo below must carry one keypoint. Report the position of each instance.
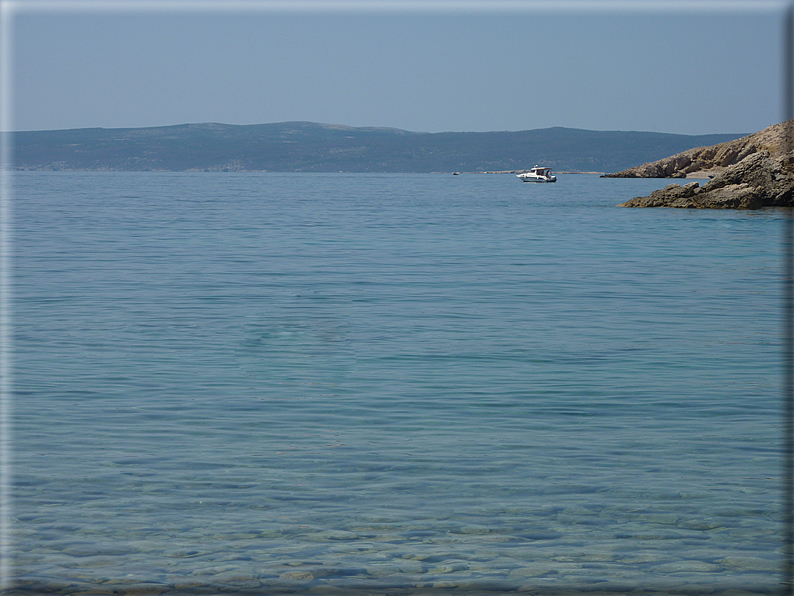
(702, 162)
(748, 173)
(313, 147)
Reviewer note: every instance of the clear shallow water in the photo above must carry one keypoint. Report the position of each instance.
(391, 382)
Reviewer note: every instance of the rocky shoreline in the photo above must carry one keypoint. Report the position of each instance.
(749, 173)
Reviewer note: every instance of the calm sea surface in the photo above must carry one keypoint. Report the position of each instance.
(329, 382)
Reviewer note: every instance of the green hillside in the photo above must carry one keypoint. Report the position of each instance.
(311, 147)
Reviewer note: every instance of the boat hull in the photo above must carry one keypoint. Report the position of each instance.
(537, 179)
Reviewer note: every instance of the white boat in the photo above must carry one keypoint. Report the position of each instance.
(537, 174)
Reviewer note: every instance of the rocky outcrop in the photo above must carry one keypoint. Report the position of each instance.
(705, 161)
(760, 179)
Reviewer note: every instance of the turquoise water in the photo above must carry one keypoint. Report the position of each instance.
(384, 383)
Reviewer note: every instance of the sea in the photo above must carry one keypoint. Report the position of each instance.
(310, 383)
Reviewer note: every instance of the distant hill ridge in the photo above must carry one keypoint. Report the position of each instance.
(313, 147)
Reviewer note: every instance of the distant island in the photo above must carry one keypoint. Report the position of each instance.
(748, 173)
(312, 147)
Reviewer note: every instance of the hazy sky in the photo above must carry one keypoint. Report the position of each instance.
(432, 66)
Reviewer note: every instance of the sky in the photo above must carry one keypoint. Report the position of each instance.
(429, 66)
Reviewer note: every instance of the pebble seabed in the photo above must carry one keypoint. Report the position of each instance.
(367, 587)
(469, 561)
